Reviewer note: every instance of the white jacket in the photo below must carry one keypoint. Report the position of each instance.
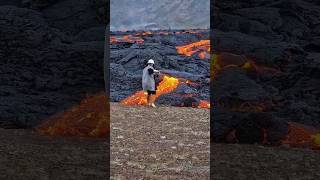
(148, 81)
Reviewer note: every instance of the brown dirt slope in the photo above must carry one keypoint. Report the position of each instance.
(24, 155)
(173, 143)
(159, 143)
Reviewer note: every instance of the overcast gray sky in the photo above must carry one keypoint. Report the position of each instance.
(165, 14)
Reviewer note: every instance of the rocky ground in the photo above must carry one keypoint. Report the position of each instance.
(159, 147)
(25, 155)
(165, 142)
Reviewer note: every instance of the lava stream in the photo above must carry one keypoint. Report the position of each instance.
(167, 85)
(126, 38)
(202, 47)
(88, 119)
(204, 104)
(302, 136)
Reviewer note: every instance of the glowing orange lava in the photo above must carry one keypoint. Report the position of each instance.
(167, 85)
(137, 37)
(250, 65)
(88, 119)
(202, 47)
(147, 33)
(204, 104)
(202, 55)
(126, 38)
(225, 60)
(301, 136)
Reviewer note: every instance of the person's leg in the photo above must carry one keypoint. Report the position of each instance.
(149, 99)
(153, 99)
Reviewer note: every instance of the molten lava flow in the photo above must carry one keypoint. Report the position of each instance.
(250, 65)
(224, 60)
(147, 33)
(204, 104)
(139, 98)
(167, 85)
(126, 38)
(88, 119)
(137, 38)
(202, 55)
(113, 40)
(203, 47)
(302, 136)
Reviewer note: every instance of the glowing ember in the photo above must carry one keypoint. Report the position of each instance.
(190, 83)
(88, 119)
(167, 85)
(201, 47)
(204, 104)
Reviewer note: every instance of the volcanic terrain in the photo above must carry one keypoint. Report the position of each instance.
(182, 56)
(266, 71)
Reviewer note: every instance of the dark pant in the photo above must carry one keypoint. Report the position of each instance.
(151, 92)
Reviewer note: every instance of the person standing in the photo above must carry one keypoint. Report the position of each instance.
(149, 83)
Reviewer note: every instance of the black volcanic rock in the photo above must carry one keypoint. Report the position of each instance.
(128, 61)
(43, 71)
(234, 84)
(274, 34)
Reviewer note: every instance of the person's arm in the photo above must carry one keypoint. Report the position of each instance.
(157, 71)
(151, 71)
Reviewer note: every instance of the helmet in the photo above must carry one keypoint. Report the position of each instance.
(150, 61)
